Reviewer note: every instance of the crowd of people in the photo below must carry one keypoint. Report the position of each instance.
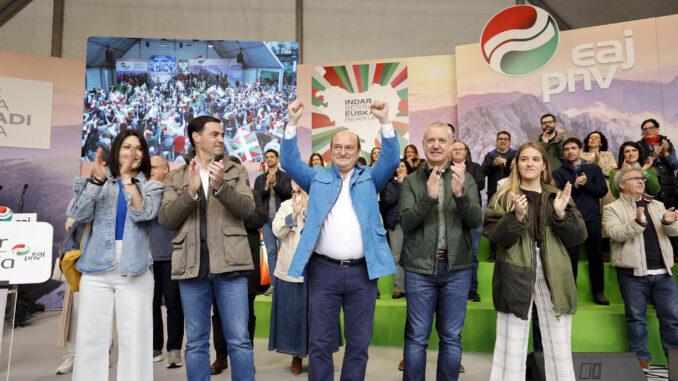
(331, 231)
(161, 113)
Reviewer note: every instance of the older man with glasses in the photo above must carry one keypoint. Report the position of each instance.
(639, 229)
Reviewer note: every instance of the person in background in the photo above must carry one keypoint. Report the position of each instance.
(289, 333)
(595, 151)
(589, 187)
(389, 199)
(342, 269)
(69, 311)
(161, 249)
(374, 156)
(412, 159)
(437, 200)
(631, 156)
(496, 166)
(316, 159)
(361, 160)
(252, 226)
(206, 202)
(461, 155)
(664, 160)
(274, 188)
(532, 223)
(551, 140)
(663, 153)
(115, 261)
(639, 229)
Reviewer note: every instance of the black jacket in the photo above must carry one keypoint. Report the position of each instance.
(282, 188)
(389, 199)
(586, 197)
(496, 173)
(664, 167)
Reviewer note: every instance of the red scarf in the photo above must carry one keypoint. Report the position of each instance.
(654, 141)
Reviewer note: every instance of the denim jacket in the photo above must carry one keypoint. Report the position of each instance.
(323, 186)
(99, 204)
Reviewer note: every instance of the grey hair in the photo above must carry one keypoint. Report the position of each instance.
(439, 124)
(620, 176)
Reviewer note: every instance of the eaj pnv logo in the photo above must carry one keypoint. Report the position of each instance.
(519, 40)
(5, 213)
(21, 249)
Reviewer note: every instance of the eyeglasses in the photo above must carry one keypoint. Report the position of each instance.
(548, 122)
(648, 128)
(635, 178)
(503, 139)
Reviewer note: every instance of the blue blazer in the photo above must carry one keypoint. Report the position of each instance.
(323, 186)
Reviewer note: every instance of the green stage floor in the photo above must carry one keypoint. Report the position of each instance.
(594, 329)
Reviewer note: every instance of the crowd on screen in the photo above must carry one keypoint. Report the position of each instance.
(161, 112)
(419, 218)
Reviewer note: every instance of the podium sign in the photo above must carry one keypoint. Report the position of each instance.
(25, 252)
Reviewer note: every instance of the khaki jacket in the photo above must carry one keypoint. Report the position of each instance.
(226, 236)
(290, 236)
(626, 235)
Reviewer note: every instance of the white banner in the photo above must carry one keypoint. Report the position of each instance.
(25, 113)
(25, 252)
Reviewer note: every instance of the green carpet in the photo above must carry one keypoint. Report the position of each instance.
(594, 328)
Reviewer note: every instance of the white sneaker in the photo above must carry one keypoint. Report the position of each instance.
(269, 291)
(67, 365)
(174, 359)
(157, 356)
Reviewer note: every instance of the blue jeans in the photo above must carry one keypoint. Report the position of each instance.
(231, 296)
(331, 287)
(636, 291)
(272, 244)
(475, 242)
(444, 294)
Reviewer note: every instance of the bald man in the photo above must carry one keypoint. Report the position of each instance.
(343, 243)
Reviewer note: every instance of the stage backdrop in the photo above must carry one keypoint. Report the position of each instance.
(49, 171)
(336, 96)
(608, 78)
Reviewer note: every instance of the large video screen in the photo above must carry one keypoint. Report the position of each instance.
(158, 85)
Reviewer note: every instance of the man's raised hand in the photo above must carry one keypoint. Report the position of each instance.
(380, 111)
(294, 110)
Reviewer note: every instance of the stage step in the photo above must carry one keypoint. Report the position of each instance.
(594, 329)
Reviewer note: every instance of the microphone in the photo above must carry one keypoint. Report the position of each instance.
(21, 202)
(218, 157)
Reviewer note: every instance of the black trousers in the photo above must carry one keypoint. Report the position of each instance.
(593, 246)
(165, 286)
(220, 345)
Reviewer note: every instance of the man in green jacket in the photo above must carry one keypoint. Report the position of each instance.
(551, 140)
(439, 205)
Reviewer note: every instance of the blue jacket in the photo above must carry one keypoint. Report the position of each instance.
(323, 186)
(99, 204)
(588, 196)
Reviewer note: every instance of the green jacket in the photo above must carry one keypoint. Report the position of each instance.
(515, 269)
(554, 151)
(419, 220)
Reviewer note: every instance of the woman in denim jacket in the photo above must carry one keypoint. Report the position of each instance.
(121, 205)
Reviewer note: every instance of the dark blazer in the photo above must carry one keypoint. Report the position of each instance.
(588, 196)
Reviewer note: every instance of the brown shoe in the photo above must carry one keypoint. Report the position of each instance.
(397, 295)
(461, 369)
(219, 365)
(645, 365)
(295, 368)
(401, 365)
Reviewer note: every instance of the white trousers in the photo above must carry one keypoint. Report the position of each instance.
(510, 348)
(131, 299)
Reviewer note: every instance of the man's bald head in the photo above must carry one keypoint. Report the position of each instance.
(344, 150)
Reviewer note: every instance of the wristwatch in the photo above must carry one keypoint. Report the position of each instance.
(129, 182)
